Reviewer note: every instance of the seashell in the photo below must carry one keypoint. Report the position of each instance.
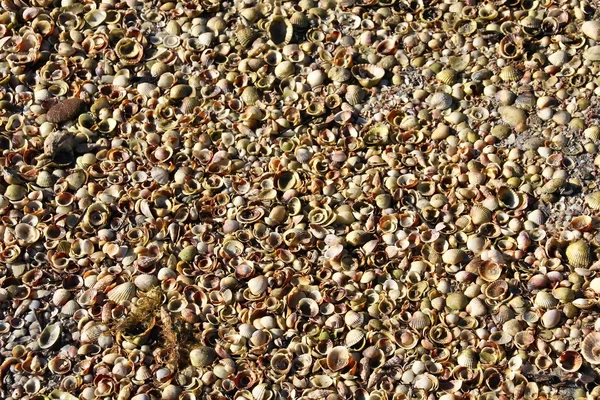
(591, 29)
(551, 318)
(280, 31)
(65, 110)
(480, 215)
(95, 17)
(26, 234)
(440, 101)
(559, 58)
(453, 256)
(509, 198)
(316, 78)
(419, 320)
(354, 337)
(578, 254)
(15, 192)
(582, 223)
(284, 70)
(510, 74)
(368, 75)
(49, 336)
(246, 36)
(157, 69)
(145, 282)
(258, 285)
(353, 319)
(338, 358)
(122, 293)
(489, 271)
(590, 348)
(308, 307)
(545, 300)
(70, 307)
(202, 356)
(447, 76)
(60, 297)
(354, 94)
(300, 20)
(339, 74)
(512, 115)
(570, 361)
(180, 91)
(592, 53)
(457, 301)
(467, 358)
(591, 199)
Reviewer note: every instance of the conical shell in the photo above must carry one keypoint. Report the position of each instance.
(578, 254)
(122, 293)
(337, 358)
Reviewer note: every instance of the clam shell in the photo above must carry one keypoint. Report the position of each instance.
(457, 301)
(337, 358)
(551, 318)
(280, 31)
(49, 336)
(570, 361)
(579, 254)
(440, 100)
(122, 293)
(510, 74)
(559, 58)
(258, 285)
(453, 256)
(70, 307)
(591, 29)
(284, 69)
(368, 75)
(489, 271)
(480, 215)
(354, 336)
(354, 319)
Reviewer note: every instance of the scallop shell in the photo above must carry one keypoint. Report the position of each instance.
(280, 31)
(246, 36)
(338, 358)
(354, 336)
(440, 100)
(353, 319)
(578, 254)
(122, 293)
(480, 215)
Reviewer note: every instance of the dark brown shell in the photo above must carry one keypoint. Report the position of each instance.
(64, 110)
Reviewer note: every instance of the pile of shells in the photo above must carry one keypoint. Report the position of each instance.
(262, 200)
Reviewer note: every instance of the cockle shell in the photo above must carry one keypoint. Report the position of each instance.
(590, 348)
(258, 285)
(122, 293)
(337, 358)
(591, 29)
(579, 254)
(202, 356)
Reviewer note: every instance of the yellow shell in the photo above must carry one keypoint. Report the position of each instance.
(447, 76)
(545, 300)
(122, 293)
(578, 254)
(509, 74)
(593, 200)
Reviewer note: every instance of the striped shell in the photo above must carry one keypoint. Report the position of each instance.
(593, 200)
(447, 76)
(578, 254)
(590, 348)
(545, 300)
(467, 358)
(419, 320)
(354, 336)
(353, 319)
(280, 31)
(122, 293)
(510, 74)
(480, 215)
